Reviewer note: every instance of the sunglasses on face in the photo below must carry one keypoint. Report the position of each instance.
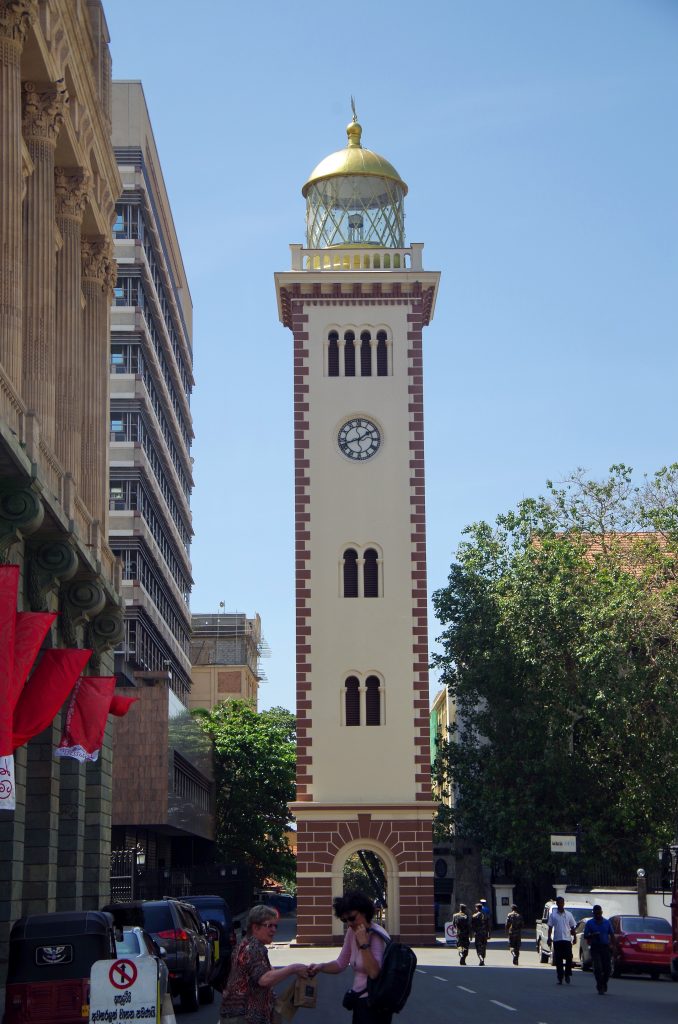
(349, 919)
(270, 924)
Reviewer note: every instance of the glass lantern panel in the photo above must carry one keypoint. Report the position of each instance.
(355, 210)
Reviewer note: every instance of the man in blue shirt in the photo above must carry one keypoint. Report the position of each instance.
(599, 934)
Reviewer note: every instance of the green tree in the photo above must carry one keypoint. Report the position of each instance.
(560, 649)
(255, 761)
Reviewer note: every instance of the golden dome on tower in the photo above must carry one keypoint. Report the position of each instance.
(353, 159)
(354, 198)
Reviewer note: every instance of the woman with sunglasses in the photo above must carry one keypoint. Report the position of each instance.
(363, 949)
(248, 997)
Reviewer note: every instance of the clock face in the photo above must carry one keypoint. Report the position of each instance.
(359, 439)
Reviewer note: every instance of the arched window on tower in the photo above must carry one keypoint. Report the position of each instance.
(349, 354)
(371, 574)
(333, 355)
(352, 701)
(382, 354)
(365, 354)
(372, 701)
(350, 572)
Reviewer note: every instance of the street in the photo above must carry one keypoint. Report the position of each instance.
(444, 992)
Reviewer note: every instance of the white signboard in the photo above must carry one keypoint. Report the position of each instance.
(561, 843)
(124, 989)
(7, 793)
(450, 934)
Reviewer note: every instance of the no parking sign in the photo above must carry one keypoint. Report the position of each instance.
(123, 990)
(450, 934)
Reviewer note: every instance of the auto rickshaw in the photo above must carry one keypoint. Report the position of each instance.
(50, 958)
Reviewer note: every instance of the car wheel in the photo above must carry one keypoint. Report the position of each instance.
(616, 968)
(206, 994)
(189, 993)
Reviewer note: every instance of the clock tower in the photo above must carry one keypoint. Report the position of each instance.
(357, 300)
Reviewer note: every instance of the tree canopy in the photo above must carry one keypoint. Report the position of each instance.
(255, 761)
(560, 650)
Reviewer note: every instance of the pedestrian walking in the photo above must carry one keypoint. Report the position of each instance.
(485, 907)
(462, 926)
(600, 936)
(514, 930)
(561, 934)
(481, 931)
(363, 949)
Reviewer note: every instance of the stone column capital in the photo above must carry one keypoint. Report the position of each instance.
(97, 256)
(15, 19)
(43, 111)
(71, 192)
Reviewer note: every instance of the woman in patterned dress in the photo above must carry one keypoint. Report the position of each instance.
(248, 997)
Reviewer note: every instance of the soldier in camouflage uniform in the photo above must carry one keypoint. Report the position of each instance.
(462, 925)
(481, 930)
(514, 929)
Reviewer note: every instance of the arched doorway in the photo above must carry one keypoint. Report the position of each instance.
(377, 858)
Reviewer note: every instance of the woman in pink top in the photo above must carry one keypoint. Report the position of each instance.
(363, 949)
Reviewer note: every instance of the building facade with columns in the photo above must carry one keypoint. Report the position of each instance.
(356, 301)
(58, 186)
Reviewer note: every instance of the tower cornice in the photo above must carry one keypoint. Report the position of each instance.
(387, 289)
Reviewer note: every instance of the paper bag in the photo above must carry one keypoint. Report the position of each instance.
(284, 1004)
(305, 993)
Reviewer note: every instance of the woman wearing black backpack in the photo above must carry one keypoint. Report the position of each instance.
(363, 950)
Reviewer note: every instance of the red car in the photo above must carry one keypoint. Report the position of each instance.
(643, 945)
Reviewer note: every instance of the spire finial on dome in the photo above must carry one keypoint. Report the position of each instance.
(354, 130)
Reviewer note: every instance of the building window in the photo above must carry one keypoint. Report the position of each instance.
(365, 354)
(382, 354)
(361, 573)
(349, 354)
(333, 355)
(371, 574)
(352, 701)
(372, 701)
(350, 573)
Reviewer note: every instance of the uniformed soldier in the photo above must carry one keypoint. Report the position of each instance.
(481, 930)
(514, 930)
(462, 925)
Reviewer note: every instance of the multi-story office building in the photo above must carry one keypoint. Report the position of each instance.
(225, 654)
(150, 422)
(149, 508)
(58, 186)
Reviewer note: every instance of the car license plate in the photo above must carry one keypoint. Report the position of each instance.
(652, 947)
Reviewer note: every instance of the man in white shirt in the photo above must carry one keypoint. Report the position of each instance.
(562, 929)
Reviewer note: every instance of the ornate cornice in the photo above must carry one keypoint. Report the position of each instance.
(97, 256)
(71, 192)
(358, 294)
(15, 19)
(43, 111)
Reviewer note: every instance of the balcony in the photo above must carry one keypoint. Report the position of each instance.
(368, 258)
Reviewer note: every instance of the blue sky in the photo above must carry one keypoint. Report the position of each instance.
(539, 142)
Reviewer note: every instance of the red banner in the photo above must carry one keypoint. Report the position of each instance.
(46, 691)
(86, 718)
(121, 705)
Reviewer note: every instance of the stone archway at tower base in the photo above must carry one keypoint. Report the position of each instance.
(404, 844)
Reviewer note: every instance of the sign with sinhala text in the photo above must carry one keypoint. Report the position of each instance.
(563, 843)
(123, 990)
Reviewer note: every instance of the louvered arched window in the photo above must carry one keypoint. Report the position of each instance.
(365, 354)
(371, 574)
(350, 572)
(349, 354)
(372, 701)
(333, 354)
(382, 354)
(352, 701)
